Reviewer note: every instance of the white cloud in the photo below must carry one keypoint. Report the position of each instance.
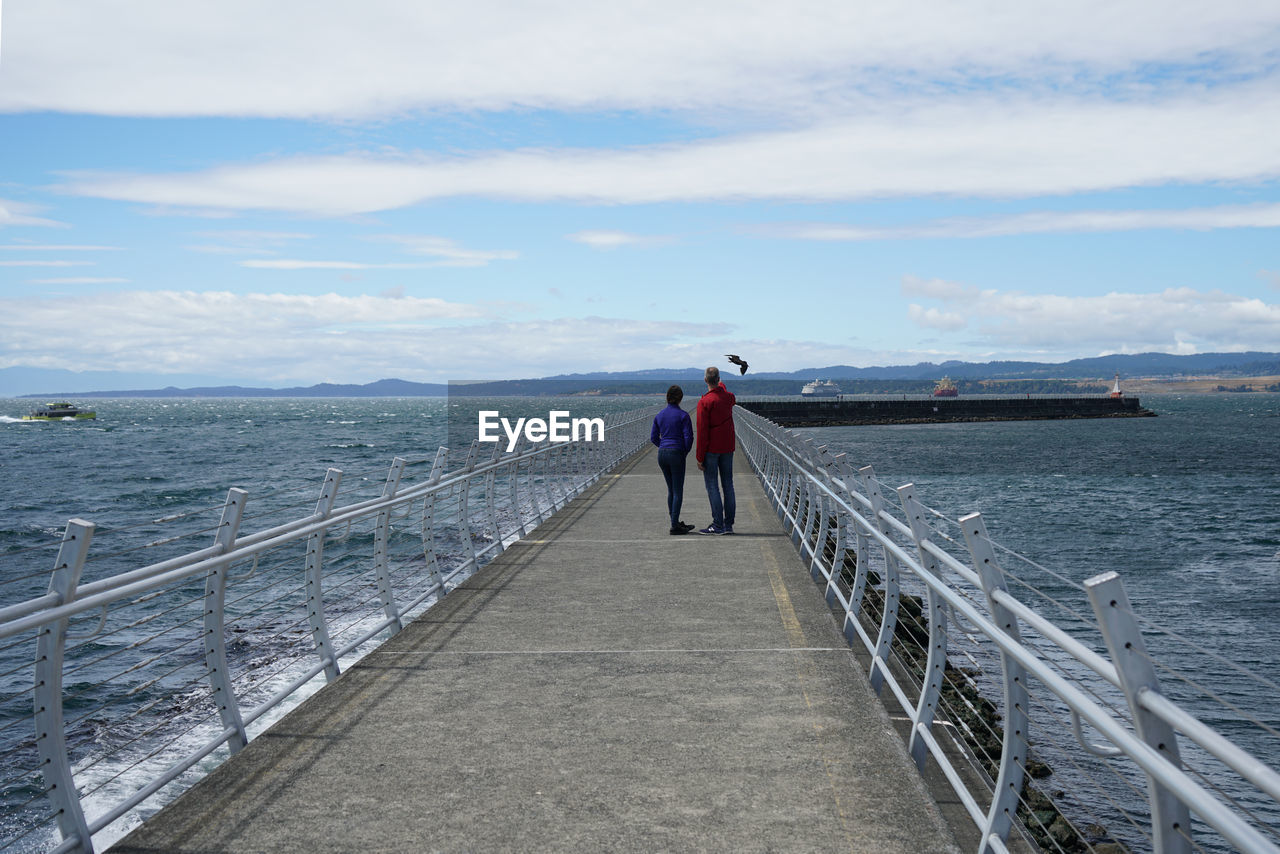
(268, 336)
(251, 237)
(932, 318)
(174, 331)
(604, 239)
(38, 247)
(219, 249)
(940, 289)
(299, 264)
(971, 146)
(278, 337)
(45, 263)
(1174, 320)
(1045, 222)
(329, 58)
(18, 213)
(77, 280)
(244, 241)
(448, 251)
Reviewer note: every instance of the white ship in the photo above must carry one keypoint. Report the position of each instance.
(821, 388)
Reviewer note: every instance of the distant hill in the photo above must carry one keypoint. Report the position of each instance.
(381, 388)
(1043, 377)
(1127, 365)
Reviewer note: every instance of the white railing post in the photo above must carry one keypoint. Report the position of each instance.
(428, 521)
(381, 536)
(889, 616)
(464, 511)
(805, 454)
(491, 499)
(826, 514)
(1013, 751)
(556, 455)
(549, 479)
(936, 663)
(597, 458)
(520, 526)
(437, 465)
(215, 624)
(428, 542)
(315, 592)
(1170, 818)
(849, 538)
(55, 765)
(535, 462)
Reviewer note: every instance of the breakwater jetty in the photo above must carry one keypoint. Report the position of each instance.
(844, 412)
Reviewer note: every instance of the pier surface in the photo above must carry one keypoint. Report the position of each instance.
(600, 686)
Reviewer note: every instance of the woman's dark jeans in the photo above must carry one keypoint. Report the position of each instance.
(671, 462)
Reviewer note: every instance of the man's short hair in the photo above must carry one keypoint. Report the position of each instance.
(712, 376)
(675, 394)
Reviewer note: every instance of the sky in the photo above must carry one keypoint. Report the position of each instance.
(287, 193)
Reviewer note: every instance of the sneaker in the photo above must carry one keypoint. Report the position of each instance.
(687, 527)
(679, 531)
(711, 529)
(728, 529)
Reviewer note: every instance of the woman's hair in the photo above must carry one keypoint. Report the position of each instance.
(675, 394)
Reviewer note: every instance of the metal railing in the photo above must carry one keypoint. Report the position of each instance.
(929, 604)
(190, 642)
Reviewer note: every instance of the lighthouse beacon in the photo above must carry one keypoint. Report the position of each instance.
(1115, 389)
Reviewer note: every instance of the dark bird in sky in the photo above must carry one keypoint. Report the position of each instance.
(735, 360)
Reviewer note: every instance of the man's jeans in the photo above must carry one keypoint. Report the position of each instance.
(721, 465)
(671, 462)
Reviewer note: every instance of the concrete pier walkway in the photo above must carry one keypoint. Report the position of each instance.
(602, 686)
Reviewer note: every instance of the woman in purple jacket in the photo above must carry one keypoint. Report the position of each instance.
(673, 434)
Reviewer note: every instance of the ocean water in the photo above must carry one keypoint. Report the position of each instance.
(1185, 506)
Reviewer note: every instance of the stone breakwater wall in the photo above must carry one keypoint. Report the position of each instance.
(835, 413)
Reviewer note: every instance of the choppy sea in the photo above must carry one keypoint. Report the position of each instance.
(1185, 506)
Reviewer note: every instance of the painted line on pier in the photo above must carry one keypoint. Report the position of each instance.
(805, 674)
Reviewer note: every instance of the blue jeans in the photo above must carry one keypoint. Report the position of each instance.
(721, 465)
(672, 462)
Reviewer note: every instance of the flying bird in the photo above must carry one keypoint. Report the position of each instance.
(735, 360)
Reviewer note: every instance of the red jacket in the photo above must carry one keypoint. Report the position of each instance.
(715, 423)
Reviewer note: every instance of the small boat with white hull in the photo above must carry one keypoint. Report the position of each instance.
(61, 411)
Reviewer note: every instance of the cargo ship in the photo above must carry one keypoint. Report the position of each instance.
(61, 411)
(945, 388)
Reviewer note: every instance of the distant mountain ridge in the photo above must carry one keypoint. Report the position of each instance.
(1154, 365)
(380, 388)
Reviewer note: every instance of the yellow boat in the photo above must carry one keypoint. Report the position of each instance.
(61, 411)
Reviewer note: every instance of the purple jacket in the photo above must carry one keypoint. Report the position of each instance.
(672, 430)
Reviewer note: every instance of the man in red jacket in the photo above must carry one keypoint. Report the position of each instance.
(715, 447)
